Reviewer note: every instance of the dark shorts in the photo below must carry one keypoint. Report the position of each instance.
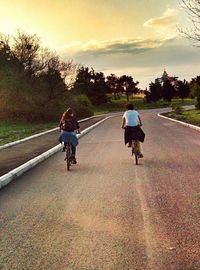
(133, 133)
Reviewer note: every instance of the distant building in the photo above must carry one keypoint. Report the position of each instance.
(165, 77)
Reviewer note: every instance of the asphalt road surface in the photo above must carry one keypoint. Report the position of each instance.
(108, 213)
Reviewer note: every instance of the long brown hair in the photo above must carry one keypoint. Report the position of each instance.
(66, 114)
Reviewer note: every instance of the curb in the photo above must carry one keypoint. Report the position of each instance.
(180, 122)
(43, 133)
(10, 176)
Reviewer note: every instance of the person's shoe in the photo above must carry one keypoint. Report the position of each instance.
(129, 144)
(140, 155)
(74, 161)
(63, 150)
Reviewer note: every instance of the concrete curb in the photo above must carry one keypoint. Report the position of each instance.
(179, 122)
(10, 176)
(44, 132)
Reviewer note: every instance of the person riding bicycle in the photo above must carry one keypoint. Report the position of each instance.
(132, 123)
(69, 127)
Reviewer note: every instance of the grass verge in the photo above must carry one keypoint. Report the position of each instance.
(10, 132)
(190, 117)
(119, 105)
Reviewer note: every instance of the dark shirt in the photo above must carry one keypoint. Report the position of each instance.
(75, 124)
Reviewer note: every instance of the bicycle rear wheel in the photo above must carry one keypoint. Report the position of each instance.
(135, 151)
(68, 156)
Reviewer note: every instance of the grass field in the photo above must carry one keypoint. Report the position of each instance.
(14, 131)
(191, 116)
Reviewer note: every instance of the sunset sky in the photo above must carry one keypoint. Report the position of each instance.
(138, 38)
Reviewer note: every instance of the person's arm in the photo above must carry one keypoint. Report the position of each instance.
(60, 124)
(77, 125)
(140, 122)
(123, 122)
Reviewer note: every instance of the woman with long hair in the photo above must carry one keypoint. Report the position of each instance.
(69, 127)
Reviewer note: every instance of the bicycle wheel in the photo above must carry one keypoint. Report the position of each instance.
(136, 152)
(68, 156)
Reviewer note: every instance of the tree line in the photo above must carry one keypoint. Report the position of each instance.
(167, 89)
(36, 85)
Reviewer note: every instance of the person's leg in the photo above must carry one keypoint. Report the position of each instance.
(139, 148)
(60, 139)
(74, 154)
(73, 150)
(64, 148)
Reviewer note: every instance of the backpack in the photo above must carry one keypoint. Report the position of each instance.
(69, 125)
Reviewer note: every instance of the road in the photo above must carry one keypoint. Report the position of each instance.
(108, 213)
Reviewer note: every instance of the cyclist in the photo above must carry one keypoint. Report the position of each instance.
(132, 123)
(69, 127)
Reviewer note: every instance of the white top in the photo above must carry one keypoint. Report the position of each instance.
(131, 117)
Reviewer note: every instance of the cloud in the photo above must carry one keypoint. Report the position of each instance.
(113, 47)
(168, 18)
(173, 54)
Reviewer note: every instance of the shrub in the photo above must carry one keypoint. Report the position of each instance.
(83, 106)
(196, 93)
(177, 109)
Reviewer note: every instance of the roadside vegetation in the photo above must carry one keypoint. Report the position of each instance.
(11, 131)
(191, 116)
(14, 131)
(140, 104)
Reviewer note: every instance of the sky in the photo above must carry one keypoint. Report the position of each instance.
(137, 38)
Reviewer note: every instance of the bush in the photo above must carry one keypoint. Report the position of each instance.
(177, 109)
(83, 106)
(196, 93)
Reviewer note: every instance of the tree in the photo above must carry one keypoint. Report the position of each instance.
(195, 89)
(113, 84)
(82, 84)
(195, 80)
(34, 82)
(128, 85)
(155, 91)
(26, 49)
(92, 84)
(168, 91)
(196, 93)
(99, 88)
(56, 74)
(183, 89)
(193, 9)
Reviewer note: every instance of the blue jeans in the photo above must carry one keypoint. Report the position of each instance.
(73, 149)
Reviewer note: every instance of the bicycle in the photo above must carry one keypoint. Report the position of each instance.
(135, 150)
(68, 156)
